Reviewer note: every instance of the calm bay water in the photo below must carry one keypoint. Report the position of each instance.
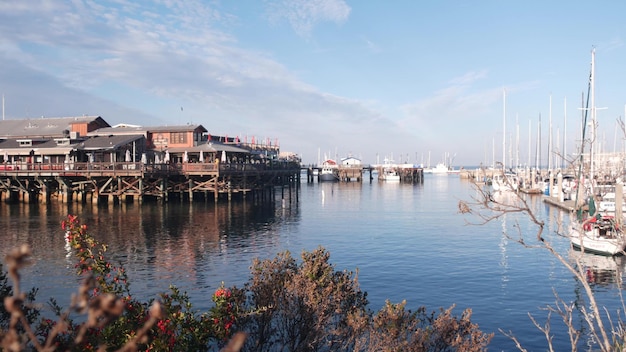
(408, 242)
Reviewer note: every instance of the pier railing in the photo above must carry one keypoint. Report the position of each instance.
(138, 168)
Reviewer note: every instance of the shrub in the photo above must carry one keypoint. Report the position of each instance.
(312, 307)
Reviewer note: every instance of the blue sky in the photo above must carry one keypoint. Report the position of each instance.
(372, 79)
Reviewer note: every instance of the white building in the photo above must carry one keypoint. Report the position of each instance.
(350, 161)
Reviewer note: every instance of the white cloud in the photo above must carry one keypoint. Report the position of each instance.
(127, 62)
(303, 15)
(457, 102)
(140, 62)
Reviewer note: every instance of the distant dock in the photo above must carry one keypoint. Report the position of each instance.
(357, 173)
(567, 205)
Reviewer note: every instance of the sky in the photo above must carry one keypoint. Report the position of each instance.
(414, 81)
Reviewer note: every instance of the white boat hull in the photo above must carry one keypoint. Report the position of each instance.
(504, 183)
(389, 175)
(592, 242)
(391, 178)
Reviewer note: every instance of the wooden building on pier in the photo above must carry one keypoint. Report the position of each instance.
(84, 159)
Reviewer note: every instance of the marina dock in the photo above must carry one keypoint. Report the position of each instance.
(567, 205)
(357, 173)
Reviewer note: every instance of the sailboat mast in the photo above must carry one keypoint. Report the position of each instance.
(504, 129)
(516, 141)
(550, 135)
(564, 132)
(538, 153)
(593, 116)
(493, 153)
(530, 132)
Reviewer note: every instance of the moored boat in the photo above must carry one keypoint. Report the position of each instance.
(599, 236)
(440, 168)
(389, 171)
(329, 172)
(505, 182)
(389, 174)
(597, 233)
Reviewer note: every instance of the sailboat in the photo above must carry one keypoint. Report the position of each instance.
(597, 233)
(428, 169)
(504, 181)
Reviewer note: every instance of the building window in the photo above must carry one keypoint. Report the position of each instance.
(160, 141)
(178, 137)
(62, 141)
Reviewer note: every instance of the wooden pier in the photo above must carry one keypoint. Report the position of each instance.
(126, 182)
(350, 173)
(411, 174)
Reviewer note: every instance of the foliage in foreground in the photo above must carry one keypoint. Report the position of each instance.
(285, 306)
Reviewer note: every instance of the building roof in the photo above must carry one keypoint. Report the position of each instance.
(43, 127)
(134, 129)
(50, 147)
(179, 128)
(209, 148)
(108, 142)
(121, 130)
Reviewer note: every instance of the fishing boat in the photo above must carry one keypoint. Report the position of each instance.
(389, 174)
(440, 168)
(329, 172)
(389, 171)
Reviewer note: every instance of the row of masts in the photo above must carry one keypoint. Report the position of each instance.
(558, 158)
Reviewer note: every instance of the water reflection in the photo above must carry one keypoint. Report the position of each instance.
(604, 275)
(158, 244)
(408, 241)
(599, 270)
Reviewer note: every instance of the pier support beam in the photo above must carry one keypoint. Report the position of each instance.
(65, 193)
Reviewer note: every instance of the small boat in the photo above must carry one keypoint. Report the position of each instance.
(440, 168)
(389, 174)
(389, 171)
(504, 182)
(599, 235)
(329, 172)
